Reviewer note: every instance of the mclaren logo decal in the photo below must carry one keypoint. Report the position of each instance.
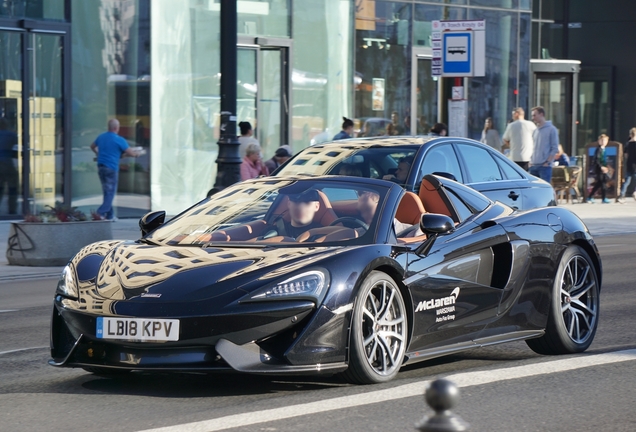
(438, 303)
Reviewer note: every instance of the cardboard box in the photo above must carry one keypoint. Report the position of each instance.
(11, 88)
(42, 163)
(42, 116)
(43, 142)
(43, 188)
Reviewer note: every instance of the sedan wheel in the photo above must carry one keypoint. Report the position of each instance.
(379, 331)
(574, 307)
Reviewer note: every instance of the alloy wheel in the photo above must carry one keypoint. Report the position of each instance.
(384, 328)
(579, 299)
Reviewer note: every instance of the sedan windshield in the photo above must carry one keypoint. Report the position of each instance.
(390, 163)
(270, 212)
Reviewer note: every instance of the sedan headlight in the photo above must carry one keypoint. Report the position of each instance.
(66, 286)
(309, 285)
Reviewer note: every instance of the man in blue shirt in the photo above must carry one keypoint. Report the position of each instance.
(109, 148)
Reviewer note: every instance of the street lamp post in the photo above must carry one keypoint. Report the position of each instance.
(229, 160)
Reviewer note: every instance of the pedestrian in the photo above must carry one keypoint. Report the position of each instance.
(598, 167)
(490, 136)
(422, 126)
(281, 155)
(109, 148)
(630, 168)
(390, 130)
(252, 165)
(518, 138)
(407, 125)
(439, 129)
(347, 130)
(546, 145)
(246, 138)
(561, 158)
(395, 121)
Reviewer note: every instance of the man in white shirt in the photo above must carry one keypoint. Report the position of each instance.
(518, 136)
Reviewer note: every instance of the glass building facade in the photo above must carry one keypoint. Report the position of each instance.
(302, 65)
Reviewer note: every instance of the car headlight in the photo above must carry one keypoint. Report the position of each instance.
(309, 285)
(66, 286)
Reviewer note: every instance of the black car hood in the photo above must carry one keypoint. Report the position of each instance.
(181, 273)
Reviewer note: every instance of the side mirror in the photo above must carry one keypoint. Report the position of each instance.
(151, 221)
(432, 223)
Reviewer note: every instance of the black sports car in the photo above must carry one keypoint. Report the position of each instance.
(325, 275)
(406, 159)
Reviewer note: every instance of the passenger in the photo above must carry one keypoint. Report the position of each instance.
(402, 172)
(349, 170)
(367, 205)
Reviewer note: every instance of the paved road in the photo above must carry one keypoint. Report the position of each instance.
(505, 388)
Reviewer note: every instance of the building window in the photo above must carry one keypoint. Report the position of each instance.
(383, 67)
(111, 79)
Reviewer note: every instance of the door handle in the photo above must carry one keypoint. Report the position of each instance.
(513, 196)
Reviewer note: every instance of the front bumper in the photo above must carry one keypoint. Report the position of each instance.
(252, 343)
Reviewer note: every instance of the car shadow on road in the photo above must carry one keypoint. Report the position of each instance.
(189, 385)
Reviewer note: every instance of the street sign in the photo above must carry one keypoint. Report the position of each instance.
(457, 53)
(458, 93)
(460, 48)
(458, 118)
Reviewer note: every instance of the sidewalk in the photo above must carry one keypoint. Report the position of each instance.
(601, 219)
(125, 229)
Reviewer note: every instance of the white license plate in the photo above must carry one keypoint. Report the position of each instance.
(138, 329)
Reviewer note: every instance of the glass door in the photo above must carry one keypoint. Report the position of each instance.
(46, 141)
(32, 156)
(246, 86)
(424, 93)
(263, 92)
(273, 100)
(10, 123)
(554, 93)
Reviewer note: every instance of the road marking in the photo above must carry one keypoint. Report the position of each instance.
(465, 379)
(22, 349)
(9, 310)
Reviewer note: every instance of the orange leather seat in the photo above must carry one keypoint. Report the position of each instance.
(434, 199)
(410, 209)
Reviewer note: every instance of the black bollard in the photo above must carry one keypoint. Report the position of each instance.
(442, 395)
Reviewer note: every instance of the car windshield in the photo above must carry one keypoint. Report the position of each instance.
(287, 212)
(390, 163)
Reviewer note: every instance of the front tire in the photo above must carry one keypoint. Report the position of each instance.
(379, 331)
(574, 307)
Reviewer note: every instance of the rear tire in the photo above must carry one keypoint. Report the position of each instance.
(574, 307)
(379, 331)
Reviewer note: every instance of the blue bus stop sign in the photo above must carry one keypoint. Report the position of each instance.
(457, 53)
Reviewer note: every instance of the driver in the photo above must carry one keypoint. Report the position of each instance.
(402, 171)
(302, 209)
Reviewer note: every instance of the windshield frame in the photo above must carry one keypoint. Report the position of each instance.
(190, 223)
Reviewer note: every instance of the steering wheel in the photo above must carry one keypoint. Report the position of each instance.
(354, 222)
